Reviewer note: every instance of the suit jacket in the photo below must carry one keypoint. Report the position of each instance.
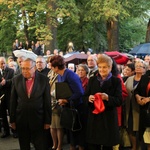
(102, 129)
(45, 71)
(31, 112)
(7, 75)
(6, 89)
(38, 51)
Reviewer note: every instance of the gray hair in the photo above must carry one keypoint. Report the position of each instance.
(29, 59)
(3, 59)
(85, 67)
(13, 63)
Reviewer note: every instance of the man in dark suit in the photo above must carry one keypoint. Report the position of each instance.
(41, 65)
(6, 74)
(42, 68)
(92, 65)
(30, 106)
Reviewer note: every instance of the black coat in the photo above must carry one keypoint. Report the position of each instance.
(142, 91)
(38, 51)
(45, 71)
(102, 129)
(31, 112)
(8, 74)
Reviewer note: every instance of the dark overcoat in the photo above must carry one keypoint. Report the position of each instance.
(142, 91)
(102, 129)
(8, 74)
(31, 112)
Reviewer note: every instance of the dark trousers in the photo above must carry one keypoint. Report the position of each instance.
(49, 141)
(27, 136)
(5, 124)
(98, 147)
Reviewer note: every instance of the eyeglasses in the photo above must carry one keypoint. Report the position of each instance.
(139, 67)
(40, 62)
(26, 69)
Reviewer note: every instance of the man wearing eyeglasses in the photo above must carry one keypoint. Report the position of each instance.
(41, 65)
(30, 106)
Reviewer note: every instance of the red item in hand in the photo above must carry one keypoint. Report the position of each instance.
(98, 104)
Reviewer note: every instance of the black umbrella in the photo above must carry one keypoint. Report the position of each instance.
(142, 49)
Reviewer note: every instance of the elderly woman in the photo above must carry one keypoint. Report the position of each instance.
(13, 65)
(66, 75)
(102, 127)
(82, 72)
(131, 106)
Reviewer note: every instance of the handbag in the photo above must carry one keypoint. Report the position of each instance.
(124, 138)
(60, 92)
(70, 119)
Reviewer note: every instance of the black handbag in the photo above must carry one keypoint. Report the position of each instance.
(60, 92)
(70, 119)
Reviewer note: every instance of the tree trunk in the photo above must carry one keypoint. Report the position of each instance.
(25, 24)
(52, 44)
(113, 35)
(148, 32)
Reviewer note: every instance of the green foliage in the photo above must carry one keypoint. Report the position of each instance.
(7, 29)
(82, 22)
(132, 32)
(69, 9)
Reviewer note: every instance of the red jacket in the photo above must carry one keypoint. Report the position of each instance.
(124, 95)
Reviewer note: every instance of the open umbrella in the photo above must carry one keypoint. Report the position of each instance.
(142, 49)
(118, 57)
(75, 58)
(25, 53)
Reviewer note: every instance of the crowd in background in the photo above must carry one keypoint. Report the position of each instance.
(123, 89)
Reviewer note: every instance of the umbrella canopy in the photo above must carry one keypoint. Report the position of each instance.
(128, 55)
(75, 58)
(118, 57)
(142, 49)
(25, 53)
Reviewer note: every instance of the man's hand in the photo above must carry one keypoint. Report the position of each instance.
(46, 126)
(13, 125)
(3, 82)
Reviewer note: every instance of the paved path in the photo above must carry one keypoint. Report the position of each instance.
(11, 143)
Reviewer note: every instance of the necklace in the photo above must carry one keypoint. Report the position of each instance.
(29, 84)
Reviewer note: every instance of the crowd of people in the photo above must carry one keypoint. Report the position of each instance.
(28, 97)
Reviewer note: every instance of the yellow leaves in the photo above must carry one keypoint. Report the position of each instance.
(1, 1)
(43, 33)
(63, 12)
(31, 14)
(105, 9)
